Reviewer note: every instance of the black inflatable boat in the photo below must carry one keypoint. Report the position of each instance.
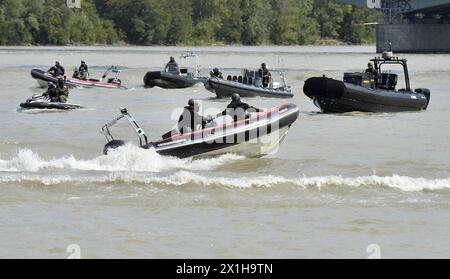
(183, 78)
(168, 80)
(367, 93)
(258, 135)
(43, 78)
(248, 85)
(43, 102)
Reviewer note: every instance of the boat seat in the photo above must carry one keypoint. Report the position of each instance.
(240, 79)
(229, 78)
(250, 81)
(235, 78)
(388, 81)
(245, 80)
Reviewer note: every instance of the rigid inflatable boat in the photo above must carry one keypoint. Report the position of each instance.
(258, 135)
(112, 83)
(183, 78)
(367, 93)
(248, 84)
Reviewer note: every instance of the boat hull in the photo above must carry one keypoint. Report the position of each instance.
(43, 78)
(49, 105)
(225, 88)
(257, 136)
(333, 96)
(170, 81)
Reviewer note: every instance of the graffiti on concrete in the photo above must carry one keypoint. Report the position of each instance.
(398, 5)
(374, 4)
(392, 8)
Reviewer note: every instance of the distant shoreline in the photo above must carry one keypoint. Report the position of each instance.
(327, 43)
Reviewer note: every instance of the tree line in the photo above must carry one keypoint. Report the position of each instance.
(184, 22)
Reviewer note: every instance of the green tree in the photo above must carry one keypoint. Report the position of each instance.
(354, 28)
(286, 21)
(232, 24)
(180, 27)
(329, 15)
(255, 29)
(207, 19)
(149, 22)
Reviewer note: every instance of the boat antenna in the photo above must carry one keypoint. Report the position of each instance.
(390, 46)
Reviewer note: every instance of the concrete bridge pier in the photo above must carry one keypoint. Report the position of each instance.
(414, 37)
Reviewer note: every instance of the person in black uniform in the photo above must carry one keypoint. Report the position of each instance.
(371, 70)
(57, 70)
(238, 109)
(216, 73)
(264, 74)
(172, 66)
(52, 92)
(83, 71)
(62, 91)
(190, 119)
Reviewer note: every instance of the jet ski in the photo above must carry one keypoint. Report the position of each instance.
(249, 84)
(176, 79)
(39, 101)
(112, 83)
(258, 135)
(367, 93)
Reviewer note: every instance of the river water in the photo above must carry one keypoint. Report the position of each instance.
(338, 186)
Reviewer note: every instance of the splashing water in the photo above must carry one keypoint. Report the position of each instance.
(125, 158)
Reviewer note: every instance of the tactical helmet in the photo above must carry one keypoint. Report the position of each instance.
(235, 97)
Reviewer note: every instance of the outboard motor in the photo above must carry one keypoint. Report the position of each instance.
(114, 144)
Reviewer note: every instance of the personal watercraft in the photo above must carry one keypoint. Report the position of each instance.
(42, 101)
(257, 135)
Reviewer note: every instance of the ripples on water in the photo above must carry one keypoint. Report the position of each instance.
(337, 184)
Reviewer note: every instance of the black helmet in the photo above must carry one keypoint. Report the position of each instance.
(216, 70)
(57, 63)
(236, 97)
(172, 58)
(82, 62)
(263, 65)
(192, 102)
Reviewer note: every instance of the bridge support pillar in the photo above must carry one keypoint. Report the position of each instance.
(418, 38)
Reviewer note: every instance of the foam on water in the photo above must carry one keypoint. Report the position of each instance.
(126, 158)
(187, 178)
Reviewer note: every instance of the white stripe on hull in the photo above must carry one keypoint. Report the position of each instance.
(262, 146)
